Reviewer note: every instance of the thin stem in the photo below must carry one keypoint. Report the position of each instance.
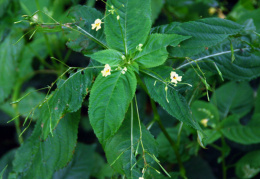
(16, 92)
(213, 55)
(132, 140)
(179, 135)
(216, 147)
(224, 169)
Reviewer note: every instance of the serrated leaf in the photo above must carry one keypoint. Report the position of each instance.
(68, 97)
(234, 98)
(205, 33)
(177, 106)
(9, 54)
(118, 149)
(133, 26)
(109, 100)
(154, 52)
(84, 16)
(109, 56)
(243, 134)
(39, 159)
(245, 67)
(249, 165)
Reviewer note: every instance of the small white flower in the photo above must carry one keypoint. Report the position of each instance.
(97, 24)
(175, 77)
(123, 57)
(118, 17)
(107, 70)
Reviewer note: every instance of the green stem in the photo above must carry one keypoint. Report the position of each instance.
(179, 135)
(224, 170)
(16, 92)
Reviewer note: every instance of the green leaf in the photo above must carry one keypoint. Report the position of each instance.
(2, 172)
(37, 158)
(243, 134)
(166, 152)
(245, 67)
(205, 33)
(82, 165)
(122, 148)
(205, 113)
(211, 136)
(245, 10)
(154, 52)
(68, 97)
(177, 106)
(29, 7)
(6, 163)
(83, 17)
(28, 103)
(37, 48)
(133, 26)
(156, 6)
(9, 54)
(3, 6)
(110, 56)
(109, 100)
(25, 106)
(234, 98)
(249, 165)
(257, 102)
(198, 168)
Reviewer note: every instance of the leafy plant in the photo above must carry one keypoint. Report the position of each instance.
(177, 71)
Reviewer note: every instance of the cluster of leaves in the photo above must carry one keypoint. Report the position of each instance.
(204, 52)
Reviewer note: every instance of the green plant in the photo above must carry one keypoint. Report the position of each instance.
(172, 65)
